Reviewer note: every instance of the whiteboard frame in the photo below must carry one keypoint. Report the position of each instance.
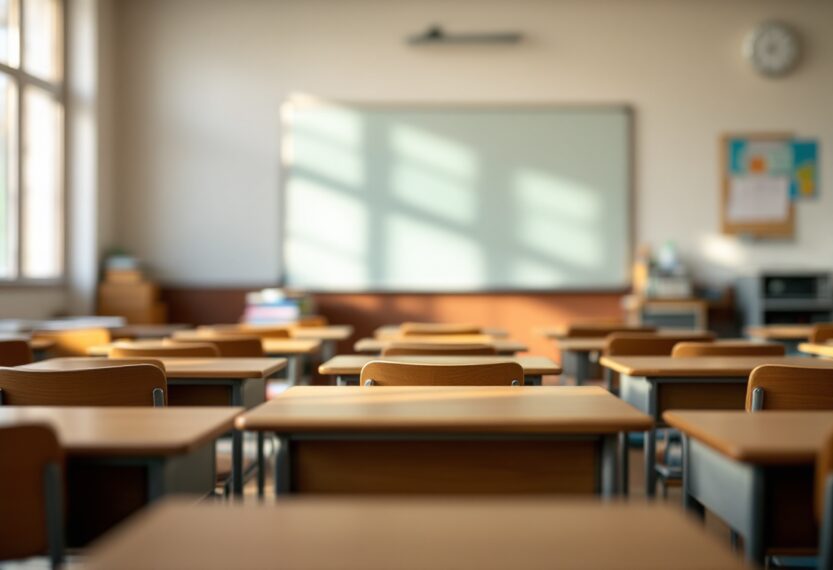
(308, 101)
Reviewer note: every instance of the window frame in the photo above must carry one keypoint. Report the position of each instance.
(59, 92)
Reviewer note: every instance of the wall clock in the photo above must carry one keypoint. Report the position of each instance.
(772, 48)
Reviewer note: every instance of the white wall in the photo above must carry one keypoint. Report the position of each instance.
(200, 82)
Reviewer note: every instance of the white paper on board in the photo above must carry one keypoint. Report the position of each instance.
(759, 199)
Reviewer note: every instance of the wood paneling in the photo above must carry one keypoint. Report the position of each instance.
(518, 313)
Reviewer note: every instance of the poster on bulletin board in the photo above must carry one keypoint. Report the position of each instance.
(763, 176)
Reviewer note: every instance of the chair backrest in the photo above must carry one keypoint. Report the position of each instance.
(822, 333)
(694, 349)
(597, 330)
(379, 373)
(437, 329)
(430, 349)
(31, 510)
(15, 353)
(779, 387)
(645, 344)
(240, 347)
(116, 385)
(74, 342)
(160, 350)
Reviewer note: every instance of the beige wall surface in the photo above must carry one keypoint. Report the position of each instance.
(199, 85)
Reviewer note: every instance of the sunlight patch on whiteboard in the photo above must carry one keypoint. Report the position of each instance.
(555, 219)
(416, 252)
(332, 242)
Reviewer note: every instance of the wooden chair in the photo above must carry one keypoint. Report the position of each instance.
(821, 333)
(779, 387)
(741, 348)
(240, 347)
(31, 504)
(437, 329)
(74, 342)
(161, 350)
(116, 385)
(824, 504)
(428, 349)
(378, 373)
(15, 353)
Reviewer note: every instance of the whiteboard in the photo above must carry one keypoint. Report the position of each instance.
(446, 199)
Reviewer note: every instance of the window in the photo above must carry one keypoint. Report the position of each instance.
(31, 140)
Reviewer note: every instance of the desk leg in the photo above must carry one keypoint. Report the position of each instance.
(293, 369)
(237, 447)
(582, 367)
(282, 468)
(689, 503)
(328, 350)
(261, 466)
(609, 466)
(624, 464)
(650, 463)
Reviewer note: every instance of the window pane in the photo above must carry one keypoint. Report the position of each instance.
(8, 176)
(42, 37)
(10, 32)
(43, 218)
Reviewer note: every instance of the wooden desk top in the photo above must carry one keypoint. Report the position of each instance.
(702, 367)
(291, 346)
(781, 332)
(503, 346)
(558, 332)
(127, 431)
(772, 437)
(509, 409)
(393, 331)
(461, 533)
(597, 344)
(816, 349)
(351, 364)
(180, 367)
(329, 332)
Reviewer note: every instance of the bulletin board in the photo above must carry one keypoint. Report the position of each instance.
(762, 176)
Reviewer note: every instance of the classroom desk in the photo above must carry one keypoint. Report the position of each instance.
(395, 332)
(347, 367)
(329, 336)
(513, 439)
(579, 353)
(204, 382)
(120, 459)
(503, 346)
(755, 471)
(824, 350)
(293, 350)
(654, 384)
(409, 533)
(788, 335)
